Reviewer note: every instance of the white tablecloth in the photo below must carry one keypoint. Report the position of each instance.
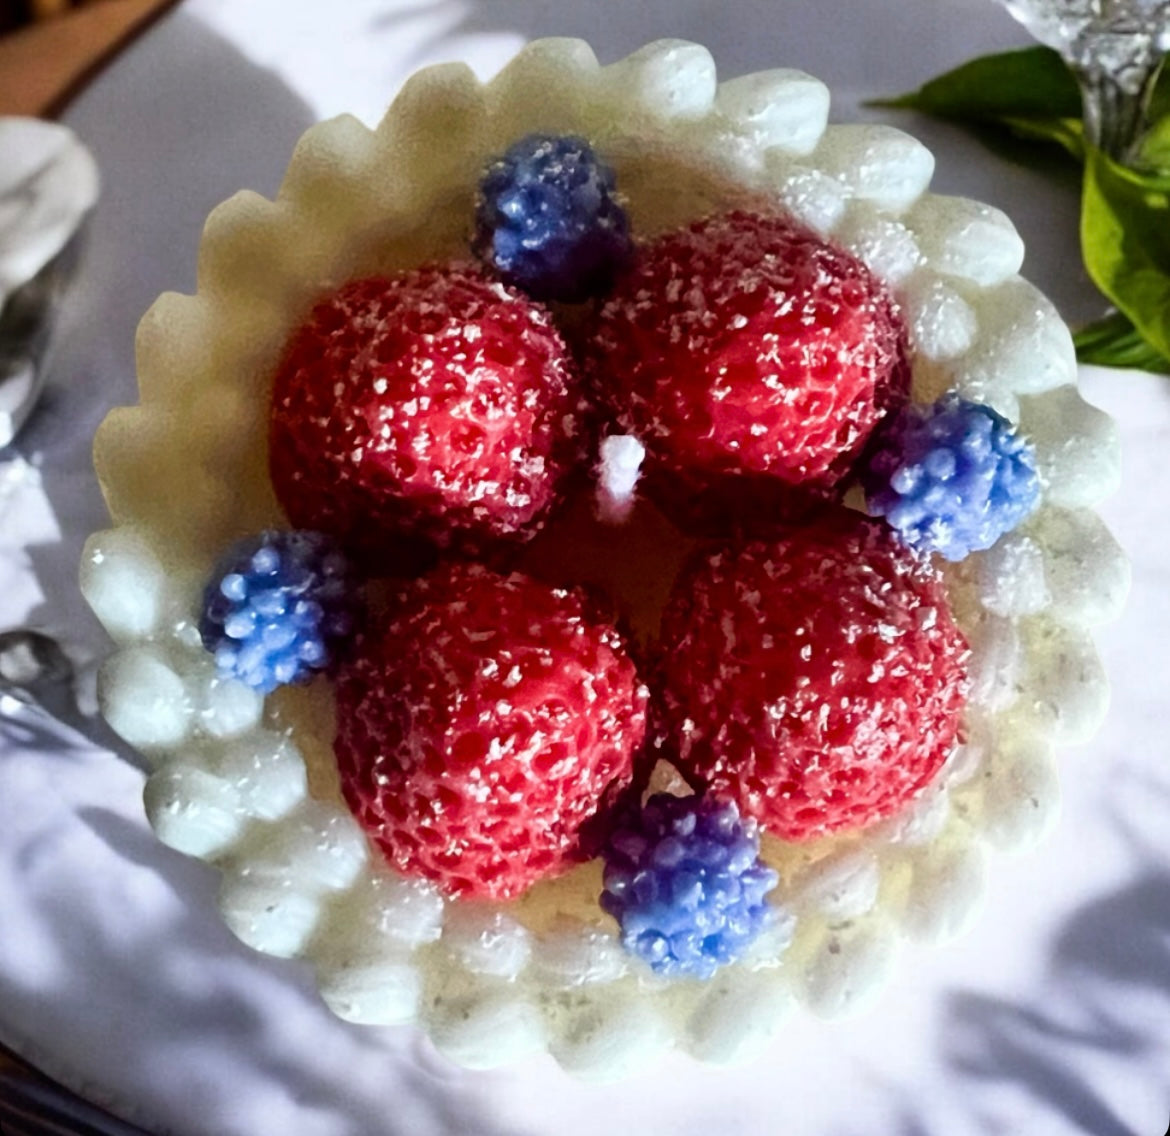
(1051, 1018)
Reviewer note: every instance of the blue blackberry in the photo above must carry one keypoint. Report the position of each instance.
(547, 219)
(951, 477)
(684, 880)
(275, 606)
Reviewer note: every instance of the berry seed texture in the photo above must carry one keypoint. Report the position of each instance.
(432, 409)
(480, 726)
(449, 449)
(753, 360)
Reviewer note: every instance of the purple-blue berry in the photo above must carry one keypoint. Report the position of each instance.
(275, 607)
(548, 220)
(684, 880)
(951, 477)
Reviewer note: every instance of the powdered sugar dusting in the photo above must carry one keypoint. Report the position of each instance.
(438, 406)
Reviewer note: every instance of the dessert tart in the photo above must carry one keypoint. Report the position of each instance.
(604, 558)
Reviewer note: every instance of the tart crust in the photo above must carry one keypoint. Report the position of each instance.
(248, 784)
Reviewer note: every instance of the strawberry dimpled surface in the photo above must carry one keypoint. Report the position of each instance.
(480, 727)
(746, 346)
(818, 680)
(438, 406)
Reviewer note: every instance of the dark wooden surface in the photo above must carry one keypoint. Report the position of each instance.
(44, 62)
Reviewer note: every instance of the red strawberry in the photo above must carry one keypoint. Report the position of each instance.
(752, 359)
(817, 680)
(481, 725)
(437, 406)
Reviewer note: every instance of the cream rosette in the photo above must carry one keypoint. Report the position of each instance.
(246, 783)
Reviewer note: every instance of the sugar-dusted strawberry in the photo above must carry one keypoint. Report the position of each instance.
(817, 680)
(480, 726)
(437, 408)
(752, 359)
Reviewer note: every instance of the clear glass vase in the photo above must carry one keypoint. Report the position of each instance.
(1115, 48)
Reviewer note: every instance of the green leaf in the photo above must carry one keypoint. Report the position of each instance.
(1125, 213)
(1154, 152)
(1160, 96)
(1115, 342)
(1125, 242)
(1032, 83)
(1068, 133)
(1028, 94)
